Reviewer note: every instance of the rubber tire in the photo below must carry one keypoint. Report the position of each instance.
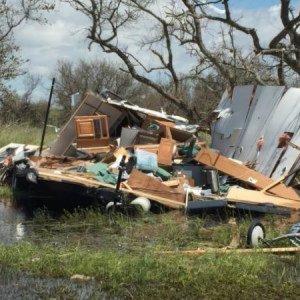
(255, 232)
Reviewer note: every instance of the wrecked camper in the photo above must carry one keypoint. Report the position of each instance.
(117, 154)
(83, 165)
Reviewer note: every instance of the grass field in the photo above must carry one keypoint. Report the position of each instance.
(24, 134)
(124, 256)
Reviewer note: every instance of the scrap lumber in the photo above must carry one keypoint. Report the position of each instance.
(283, 250)
(174, 182)
(244, 174)
(73, 178)
(236, 194)
(165, 152)
(142, 182)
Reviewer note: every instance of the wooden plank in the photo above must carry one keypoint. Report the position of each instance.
(244, 174)
(283, 250)
(257, 197)
(165, 152)
(140, 181)
(174, 182)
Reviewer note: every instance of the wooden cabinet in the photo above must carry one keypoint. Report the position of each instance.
(92, 131)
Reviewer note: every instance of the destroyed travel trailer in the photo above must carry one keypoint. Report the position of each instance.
(120, 156)
(82, 166)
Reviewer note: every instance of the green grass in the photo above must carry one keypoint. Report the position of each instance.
(148, 275)
(5, 192)
(24, 134)
(125, 256)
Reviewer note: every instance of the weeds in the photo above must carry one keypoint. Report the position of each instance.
(125, 256)
(24, 134)
(5, 192)
(150, 275)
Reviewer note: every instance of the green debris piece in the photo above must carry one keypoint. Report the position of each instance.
(224, 188)
(162, 173)
(184, 150)
(102, 173)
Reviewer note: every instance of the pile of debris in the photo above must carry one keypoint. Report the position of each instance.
(119, 155)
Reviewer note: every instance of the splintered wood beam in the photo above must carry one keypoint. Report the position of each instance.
(245, 174)
(285, 250)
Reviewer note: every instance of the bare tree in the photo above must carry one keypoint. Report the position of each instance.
(13, 14)
(95, 76)
(209, 37)
(16, 108)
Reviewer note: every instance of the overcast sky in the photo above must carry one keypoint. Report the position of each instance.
(64, 36)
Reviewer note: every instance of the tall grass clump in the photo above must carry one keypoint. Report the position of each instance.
(5, 191)
(24, 134)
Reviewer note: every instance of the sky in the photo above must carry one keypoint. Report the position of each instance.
(63, 37)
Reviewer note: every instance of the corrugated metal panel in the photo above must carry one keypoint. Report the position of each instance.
(233, 115)
(284, 118)
(265, 101)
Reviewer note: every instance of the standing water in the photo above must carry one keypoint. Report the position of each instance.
(16, 227)
(11, 226)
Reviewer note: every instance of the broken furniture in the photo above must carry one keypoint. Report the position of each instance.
(92, 133)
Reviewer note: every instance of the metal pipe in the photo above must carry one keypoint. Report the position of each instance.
(46, 117)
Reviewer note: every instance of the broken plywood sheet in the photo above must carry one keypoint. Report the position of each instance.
(128, 136)
(67, 134)
(142, 182)
(242, 173)
(114, 116)
(165, 152)
(237, 194)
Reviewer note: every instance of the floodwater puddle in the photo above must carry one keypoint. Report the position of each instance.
(16, 226)
(11, 223)
(90, 229)
(20, 285)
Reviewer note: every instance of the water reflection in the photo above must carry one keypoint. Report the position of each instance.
(11, 226)
(51, 228)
